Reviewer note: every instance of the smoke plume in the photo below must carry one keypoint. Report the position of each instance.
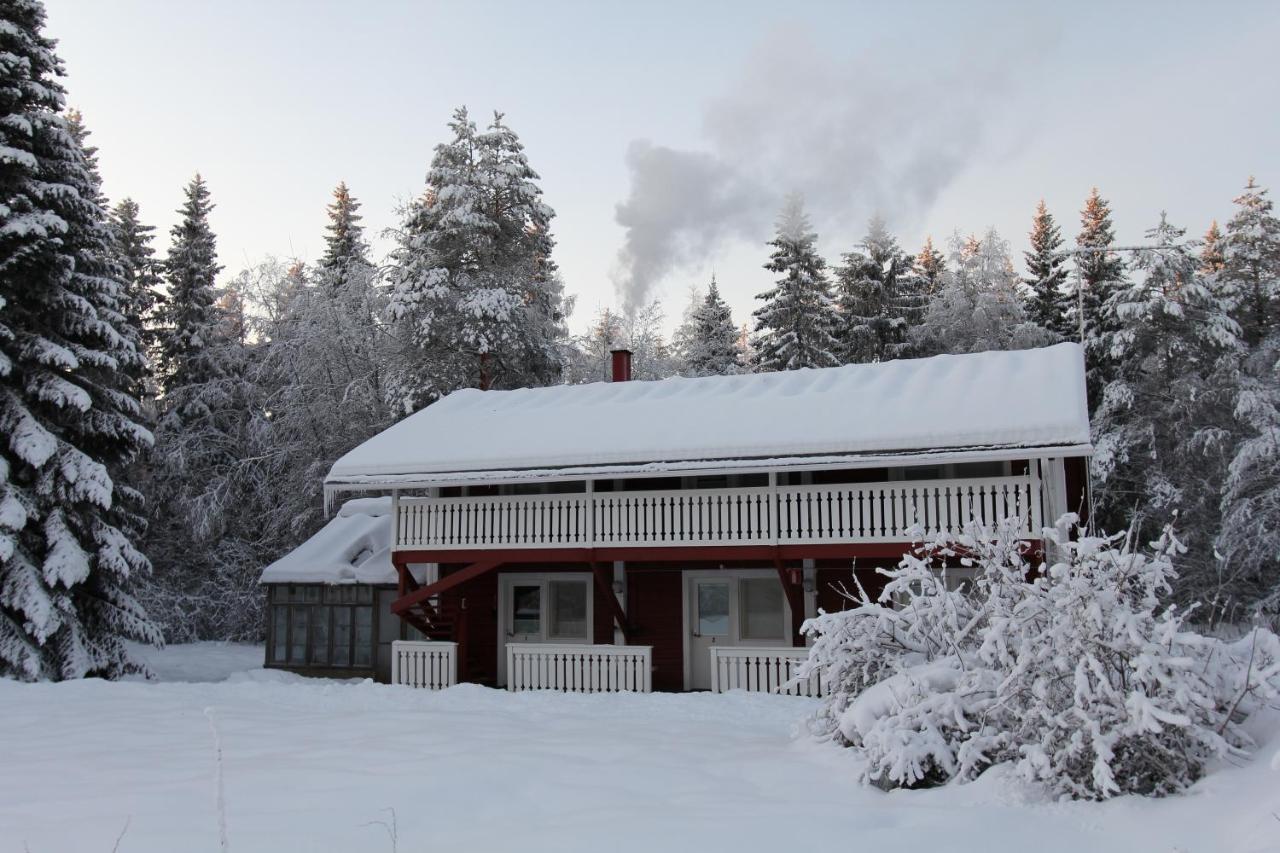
(876, 135)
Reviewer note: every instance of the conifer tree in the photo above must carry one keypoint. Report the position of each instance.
(795, 326)
(67, 552)
(712, 348)
(930, 264)
(141, 271)
(1251, 258)
(344, 238)
(1100, 275)
(1046, 274)
(1160, 425)
(190, 318)
(474, 286)
(879, 297)
(1211, 257)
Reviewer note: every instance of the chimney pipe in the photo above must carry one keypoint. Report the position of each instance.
(621, 365)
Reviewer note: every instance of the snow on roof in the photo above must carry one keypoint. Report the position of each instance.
(1025, 398)
(354, 547)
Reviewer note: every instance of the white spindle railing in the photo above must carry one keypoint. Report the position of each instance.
(853, 513)
(761, 670)
(579, 669)
(431, 665)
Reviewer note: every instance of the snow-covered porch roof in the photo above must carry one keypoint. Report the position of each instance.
(913, 411)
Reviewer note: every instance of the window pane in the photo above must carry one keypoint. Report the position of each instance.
(312, 594)
(364, 636)
(569, 610)
(280, 634)
(713, 609)
(298, 640)
(342, 636)
(761, 606)
(320, 635)
(526, 609)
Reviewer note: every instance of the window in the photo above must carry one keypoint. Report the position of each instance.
(980, 469)
(760, 606)
(713, 608)
(321, 625)
(526, 610)
(568, 618)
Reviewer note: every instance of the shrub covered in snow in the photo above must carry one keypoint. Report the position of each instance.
(1074, 669)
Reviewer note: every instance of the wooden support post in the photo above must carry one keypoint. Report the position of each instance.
(423, 594)
(795, 600)
(606, 589)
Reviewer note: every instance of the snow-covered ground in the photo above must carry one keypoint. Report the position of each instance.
(316, 766)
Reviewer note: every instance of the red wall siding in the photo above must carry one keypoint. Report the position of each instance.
(655, 610)
(831, 580)
(1077, 476)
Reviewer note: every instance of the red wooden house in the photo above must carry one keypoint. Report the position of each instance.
(670, 535)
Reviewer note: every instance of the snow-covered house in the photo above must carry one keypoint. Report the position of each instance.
(670, 534)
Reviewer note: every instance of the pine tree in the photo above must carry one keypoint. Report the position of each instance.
(879, 297)
(190, 317)
(712, 348)
(796, 325)
(141, 275)
(930, 264)
(67, 555)
(1100, 275)
(1161, 426)
(344, 240)
(1211, 258)
(473, 282)
(1251, 259)
(1046, 274)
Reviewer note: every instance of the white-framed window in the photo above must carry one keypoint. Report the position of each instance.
(546, 608)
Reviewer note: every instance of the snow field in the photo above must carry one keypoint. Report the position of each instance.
(312, 765)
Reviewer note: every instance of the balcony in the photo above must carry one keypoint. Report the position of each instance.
(771, 516)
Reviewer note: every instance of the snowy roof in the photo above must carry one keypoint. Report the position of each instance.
(1021, 399)
(354, 547)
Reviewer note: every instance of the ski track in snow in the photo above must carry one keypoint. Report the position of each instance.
(313, 765)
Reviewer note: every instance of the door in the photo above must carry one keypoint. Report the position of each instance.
(711, 618)
(543, 608)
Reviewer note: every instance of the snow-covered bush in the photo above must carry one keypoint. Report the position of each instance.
(1074, 669)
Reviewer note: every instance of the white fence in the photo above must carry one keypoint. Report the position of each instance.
(761, 670)
(791, 515)
(431, 665)
(579, 669)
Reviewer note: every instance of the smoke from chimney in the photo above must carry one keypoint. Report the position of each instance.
(878, 135)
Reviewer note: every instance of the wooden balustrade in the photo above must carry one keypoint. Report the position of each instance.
(429, 665)
(579, 668)
(854, 513)
(761, 670)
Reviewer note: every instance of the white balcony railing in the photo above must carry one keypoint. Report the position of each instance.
(761, 670)
(854, 513)
(579, 669)
(430, 665)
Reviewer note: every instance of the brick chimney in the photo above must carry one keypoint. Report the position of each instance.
(621, 365)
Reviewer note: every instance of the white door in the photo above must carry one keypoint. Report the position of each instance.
(741, 607)
(711, 622)
(543, 608)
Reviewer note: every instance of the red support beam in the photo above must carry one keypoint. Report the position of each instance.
(795, 599)
(423, 593)
(677, 553)
(606, 589)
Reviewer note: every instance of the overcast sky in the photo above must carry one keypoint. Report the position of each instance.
(685, 122)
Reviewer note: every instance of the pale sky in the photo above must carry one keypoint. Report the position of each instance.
(936, 115)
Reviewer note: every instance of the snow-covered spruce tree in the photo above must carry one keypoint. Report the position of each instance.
(1101, 274)
(711, 347)
(67, 555)
(1211, 258)
(1077, 672)
(929, 266)
(978, 306)
(1163, 428)
(474, 289)
(142, 281)
(1047, 275)
(795, 326)
(206, 501)
(879, 296)
(1251, 264)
